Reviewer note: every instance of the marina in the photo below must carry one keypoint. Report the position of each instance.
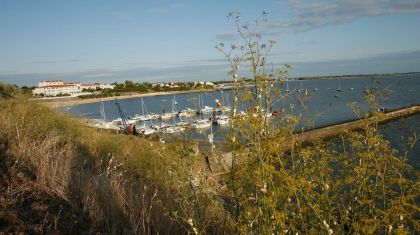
(196, 110)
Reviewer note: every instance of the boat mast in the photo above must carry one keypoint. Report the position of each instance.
(173, 110)
(198, 104)
(173, 105)
(227, 99)
(102, 110)
(142, 106)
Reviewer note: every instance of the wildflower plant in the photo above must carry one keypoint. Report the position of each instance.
(277, 184)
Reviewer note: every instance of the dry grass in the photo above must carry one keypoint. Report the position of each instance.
(122, 183)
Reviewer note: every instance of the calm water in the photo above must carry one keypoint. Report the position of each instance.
(406, 90)
(322, 105)
(397, 133)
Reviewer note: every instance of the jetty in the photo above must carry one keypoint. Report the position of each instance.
(329, 131)
(220, 161)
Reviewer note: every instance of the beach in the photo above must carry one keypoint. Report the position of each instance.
(68, 102)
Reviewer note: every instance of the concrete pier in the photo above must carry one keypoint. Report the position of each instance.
(219, 163)
(354, 125)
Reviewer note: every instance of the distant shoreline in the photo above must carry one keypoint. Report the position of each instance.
(355, 76)
(67, 102)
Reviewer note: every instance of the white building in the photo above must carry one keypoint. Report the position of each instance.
(203, 83)
(106, 86)
(56, 90)
(89, 86)
(57, 87)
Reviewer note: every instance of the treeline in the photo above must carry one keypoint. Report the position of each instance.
(103, 94)
(130, 86)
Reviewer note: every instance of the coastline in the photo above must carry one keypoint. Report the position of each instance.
(72, 101)
(68, 102)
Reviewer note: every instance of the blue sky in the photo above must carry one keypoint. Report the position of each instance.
(117, 40)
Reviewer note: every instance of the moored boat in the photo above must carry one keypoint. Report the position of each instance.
(206, 110)
(201, 124)
(173, 129)
(187, 112)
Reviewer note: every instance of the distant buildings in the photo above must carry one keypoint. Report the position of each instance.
(166, 84)
(59, 87)
(181, 84)
(203, 84)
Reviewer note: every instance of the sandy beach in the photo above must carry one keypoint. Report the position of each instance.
(67, 102)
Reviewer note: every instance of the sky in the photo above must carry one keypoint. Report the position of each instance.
(148, 41)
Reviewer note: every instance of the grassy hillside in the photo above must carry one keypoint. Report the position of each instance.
(61, 176)
(114, 183)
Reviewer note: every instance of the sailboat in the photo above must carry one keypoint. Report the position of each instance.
(201, 123)
(175, 102)
(339, 85)
(171, 114)
(146, 131)
(221, 119)
(175, 128)
(103, 123)
(206, 109)
(188, 112)
(287, 86)
(301, 87)
(143, 116)
(222, 107)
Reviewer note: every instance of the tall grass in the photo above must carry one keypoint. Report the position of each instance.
(278, 185)
(123, 183)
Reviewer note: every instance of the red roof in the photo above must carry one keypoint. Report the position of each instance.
(96, 84)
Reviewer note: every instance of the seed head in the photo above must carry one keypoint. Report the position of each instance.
(190, 222)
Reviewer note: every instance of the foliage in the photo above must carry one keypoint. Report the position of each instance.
(8, 90)
(103, 94)
(122, 183)
(278, 185)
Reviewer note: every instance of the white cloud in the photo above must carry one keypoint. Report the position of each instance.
(306, 16)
